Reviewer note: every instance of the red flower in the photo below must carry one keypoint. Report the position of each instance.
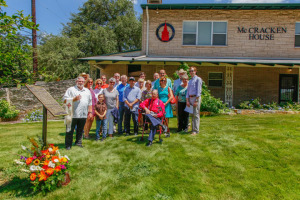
(57, 169)
(29, 160)
(33, 176)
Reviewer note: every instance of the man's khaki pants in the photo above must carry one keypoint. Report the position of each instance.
(195, 115)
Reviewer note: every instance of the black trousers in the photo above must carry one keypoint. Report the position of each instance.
(183, 117)
(128, 115)
(80, 122)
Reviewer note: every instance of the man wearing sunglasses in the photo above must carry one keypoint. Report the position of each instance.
(162, 74)
(193, 98)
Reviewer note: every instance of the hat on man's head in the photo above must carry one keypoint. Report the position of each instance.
(180, 71)
(131, 79)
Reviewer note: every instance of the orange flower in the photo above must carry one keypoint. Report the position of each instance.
(36, 162)
(42, 176)
(33, 176)
(29, 160)
(54, 148)
(54, 157)
(45, 152)
(50, 171)
(57, 169)
(48, 156)
(33, 142)
(64, 159)
(46, 162)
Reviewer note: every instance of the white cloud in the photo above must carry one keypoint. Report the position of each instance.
(134, 1)
(258, 1)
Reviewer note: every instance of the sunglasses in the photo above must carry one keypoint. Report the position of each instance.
(191, 70)
(98, 83)
(112, 82)
(163, 81)
(90, 81)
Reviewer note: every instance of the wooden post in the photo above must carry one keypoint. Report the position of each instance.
(44, 125)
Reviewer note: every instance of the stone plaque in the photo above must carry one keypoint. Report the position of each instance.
(47, 100)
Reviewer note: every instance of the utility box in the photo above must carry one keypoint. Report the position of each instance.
(154, 1)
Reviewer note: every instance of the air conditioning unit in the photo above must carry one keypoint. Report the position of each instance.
(154, 1)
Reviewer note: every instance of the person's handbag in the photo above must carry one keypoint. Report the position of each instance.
(173, 101)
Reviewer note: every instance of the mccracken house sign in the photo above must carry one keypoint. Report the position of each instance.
(261, 33)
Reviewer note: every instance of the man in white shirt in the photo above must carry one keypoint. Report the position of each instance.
(82, 108)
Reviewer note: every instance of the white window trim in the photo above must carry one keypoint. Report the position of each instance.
(212, 33)
(295, 36)
(216, 80)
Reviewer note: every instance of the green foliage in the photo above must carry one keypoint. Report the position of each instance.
(105, 26)
(7, 111)
(210, 103)
(15, 52)
(58, 58)
(255, 104)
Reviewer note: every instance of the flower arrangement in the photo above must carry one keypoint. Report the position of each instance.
(46, 167)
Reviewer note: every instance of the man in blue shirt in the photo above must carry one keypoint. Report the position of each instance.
(162, 74)
(121, 87)
(131, 97)
(193, 98)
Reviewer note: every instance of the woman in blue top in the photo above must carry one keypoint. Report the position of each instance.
(166, 95)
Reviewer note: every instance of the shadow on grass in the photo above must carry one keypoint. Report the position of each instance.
(17, 186)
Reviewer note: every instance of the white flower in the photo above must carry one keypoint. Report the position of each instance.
(25, 170)
(23, 147)
(50, 149)
(19, 162)
(56, 160)
(35, 168)
(67, 157)
(51, 164)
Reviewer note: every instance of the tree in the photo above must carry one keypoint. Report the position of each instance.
(105, 26)
(58, 58)
(15, 51)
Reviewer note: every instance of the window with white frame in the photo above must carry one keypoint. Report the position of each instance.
(215, 79)
(297, 35)
(204, 33)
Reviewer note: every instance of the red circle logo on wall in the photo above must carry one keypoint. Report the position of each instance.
(164, 35)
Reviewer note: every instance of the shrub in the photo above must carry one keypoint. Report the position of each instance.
(7, 111)
(210, 103)
(252, 104)
(35, 115)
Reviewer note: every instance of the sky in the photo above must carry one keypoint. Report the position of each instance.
(51, 14)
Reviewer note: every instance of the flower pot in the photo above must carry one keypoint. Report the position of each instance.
(66, 180)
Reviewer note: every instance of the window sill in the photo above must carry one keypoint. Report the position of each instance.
(197, 46)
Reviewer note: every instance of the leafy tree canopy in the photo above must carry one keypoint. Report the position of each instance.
(105, 26)
(15, 51)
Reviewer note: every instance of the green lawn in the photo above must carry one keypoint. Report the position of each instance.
(233, 157)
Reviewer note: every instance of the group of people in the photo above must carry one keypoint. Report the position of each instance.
(121, 100)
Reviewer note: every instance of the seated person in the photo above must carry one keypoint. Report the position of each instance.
(154, 110)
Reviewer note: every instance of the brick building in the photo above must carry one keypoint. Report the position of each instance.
(241, 51)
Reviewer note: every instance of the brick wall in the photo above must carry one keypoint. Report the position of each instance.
(239, 44)
(249, 83)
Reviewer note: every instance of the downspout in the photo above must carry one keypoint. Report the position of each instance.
(147, 39)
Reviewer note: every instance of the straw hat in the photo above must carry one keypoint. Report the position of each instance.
(181, 71)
